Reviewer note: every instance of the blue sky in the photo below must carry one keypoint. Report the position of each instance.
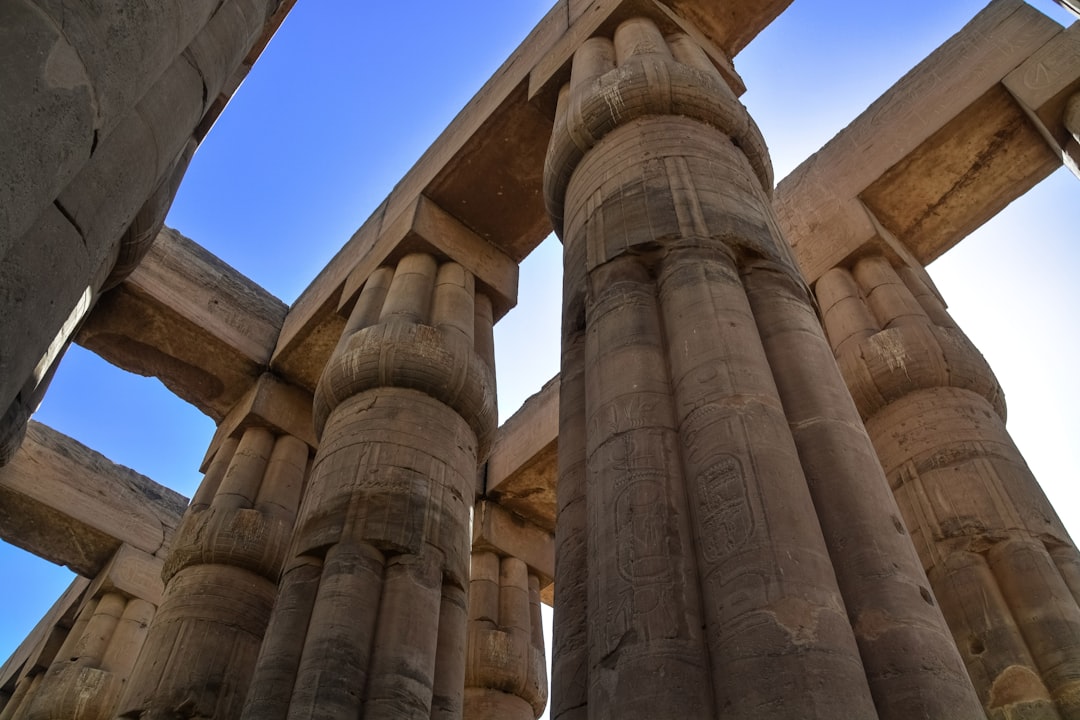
(349, 94)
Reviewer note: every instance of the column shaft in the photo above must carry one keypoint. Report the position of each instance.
(100, 135)
(906, 648)
(85, 680)
(570, 662)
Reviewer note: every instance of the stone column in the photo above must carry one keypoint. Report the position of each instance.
(999, 560)
(91, 667)
(570, 648)
(708, 433)
(505, 672)
(220, 580)
(371, 614)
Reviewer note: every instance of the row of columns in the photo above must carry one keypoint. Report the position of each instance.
(756, 518)
(357, 602)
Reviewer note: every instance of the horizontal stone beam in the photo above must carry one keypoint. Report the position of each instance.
(936, 156)
(1043, 86)
(185, 317)
(72, 506)
(522, 470)
(497, 529)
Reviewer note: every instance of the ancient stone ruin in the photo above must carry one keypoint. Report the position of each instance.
(772, 480)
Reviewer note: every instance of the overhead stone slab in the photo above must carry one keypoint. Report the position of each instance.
(187, 318)
(72, 506)
(822, 204)
(1044, 85)
(522, 471)
(969, 171)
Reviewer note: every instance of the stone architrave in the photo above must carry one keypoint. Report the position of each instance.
(701, 572)
(371, 612)
(1001, 564)
(220, 578)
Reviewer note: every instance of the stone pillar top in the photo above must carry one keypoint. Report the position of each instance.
(272, 403)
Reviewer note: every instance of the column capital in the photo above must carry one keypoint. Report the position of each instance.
(636, 73)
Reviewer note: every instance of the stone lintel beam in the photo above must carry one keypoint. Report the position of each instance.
(949, 116)
(497, 529)
(185, 317)
(1043, 86)
(131, 572)
(74, 507)
(37, 650)
(271, 403)
(486, 168)
(522, 470)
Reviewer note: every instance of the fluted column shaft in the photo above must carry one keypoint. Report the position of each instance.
(505, 673)
(220, 579)
(1000, 562)
(371, 615)
(96, 659)
(694, 530)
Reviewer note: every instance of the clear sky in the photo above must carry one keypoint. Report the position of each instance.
(349, 94)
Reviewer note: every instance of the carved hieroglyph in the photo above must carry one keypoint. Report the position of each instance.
(1000, 562)
(700, 572)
